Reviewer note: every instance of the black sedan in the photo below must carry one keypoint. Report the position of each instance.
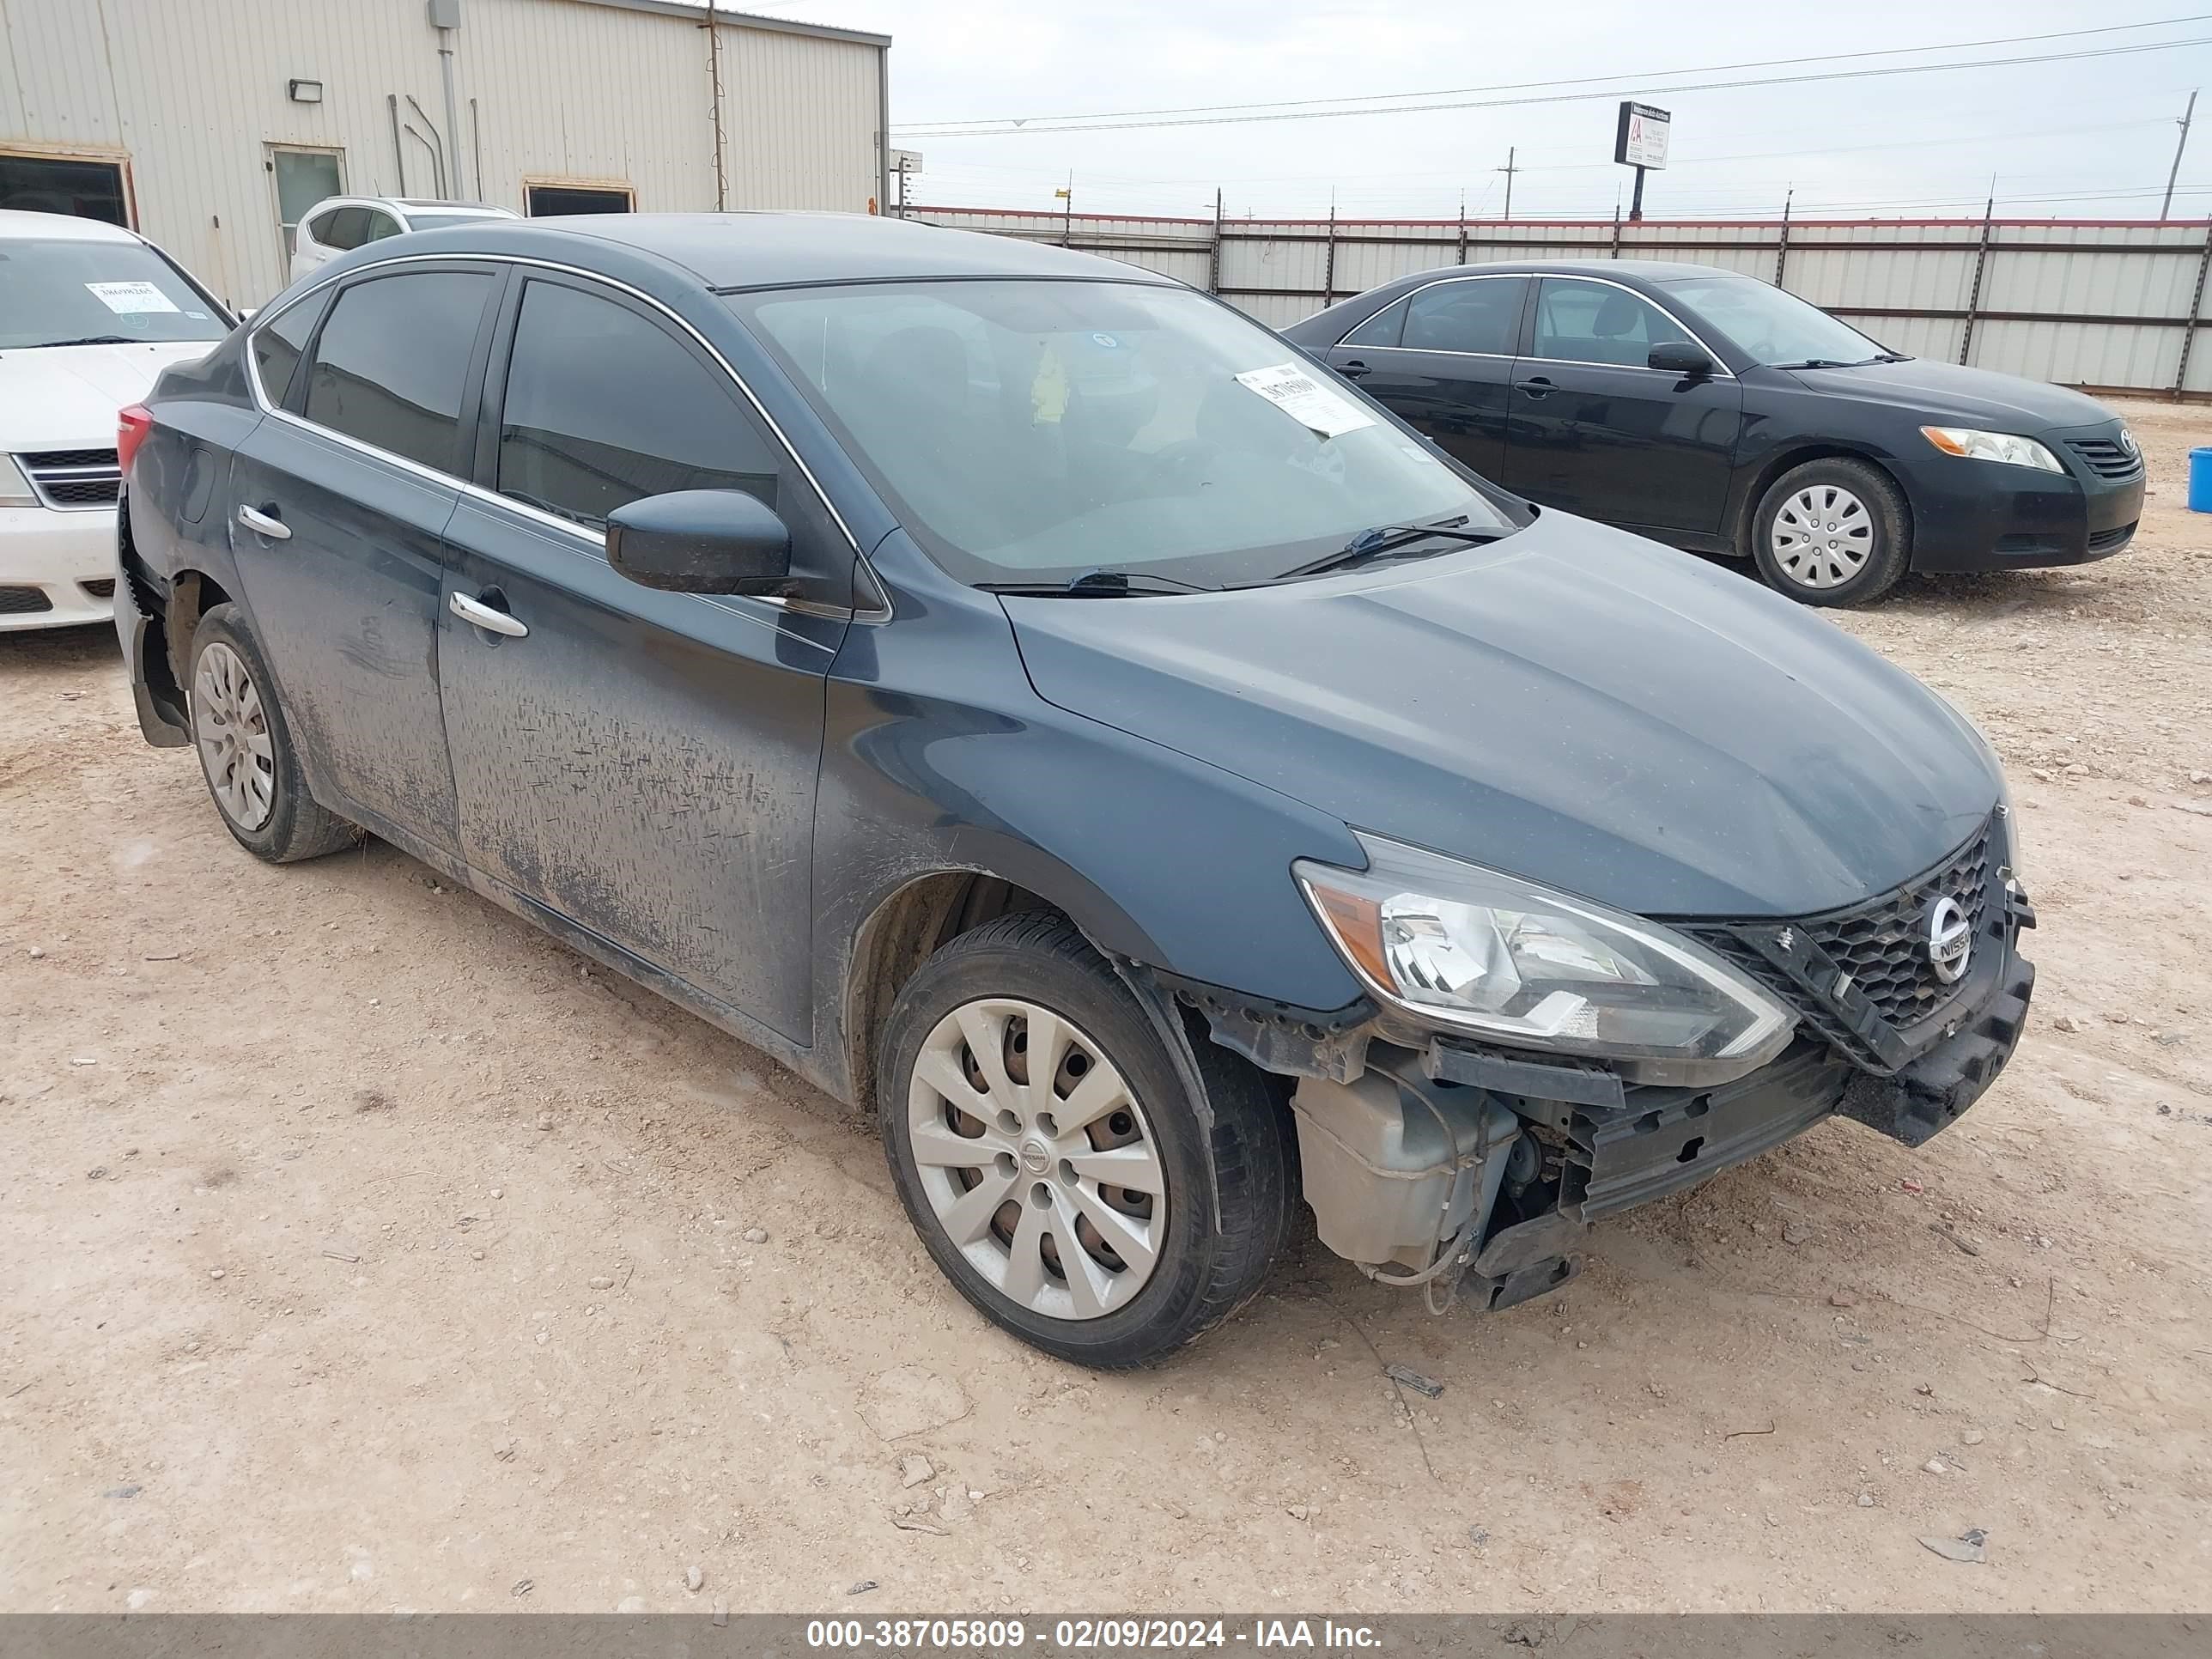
(1716, 412)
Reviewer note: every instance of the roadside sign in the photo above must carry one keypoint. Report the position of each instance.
(1641, 138)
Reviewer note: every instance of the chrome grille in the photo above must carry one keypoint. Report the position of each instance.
(2107, 458)
(69, 478)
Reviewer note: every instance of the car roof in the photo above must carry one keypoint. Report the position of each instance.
(779, 250)
(21, 225)
(1647, 270)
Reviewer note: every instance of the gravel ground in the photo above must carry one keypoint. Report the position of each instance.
(361, 1249)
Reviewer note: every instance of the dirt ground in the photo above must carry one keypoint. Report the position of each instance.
(361, 1250)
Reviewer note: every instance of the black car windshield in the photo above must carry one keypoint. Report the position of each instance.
(68, 291)
(1030, 431)
(1769, 325)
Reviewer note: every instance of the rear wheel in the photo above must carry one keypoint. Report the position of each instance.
(1050, 1155)
(1832, 532)
(245, 747)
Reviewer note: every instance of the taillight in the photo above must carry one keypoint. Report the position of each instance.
(131, 426)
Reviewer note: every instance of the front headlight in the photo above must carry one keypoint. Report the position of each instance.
(1466, 948)
(2006, 446)
(15, 487)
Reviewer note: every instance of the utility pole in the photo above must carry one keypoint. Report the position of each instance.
(1509, 170)
(1067, 223)
(2165, 208)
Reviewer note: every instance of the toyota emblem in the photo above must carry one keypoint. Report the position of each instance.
(1950, 939)
(2127, 441)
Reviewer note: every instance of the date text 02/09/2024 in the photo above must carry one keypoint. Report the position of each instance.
(1081, 1636)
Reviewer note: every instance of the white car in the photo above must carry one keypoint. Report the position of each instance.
(344, 223)
(89, 315)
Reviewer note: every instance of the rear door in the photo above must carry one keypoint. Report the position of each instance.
(641, 763)
(1442, 358)
(1593, 429)
(337, 511)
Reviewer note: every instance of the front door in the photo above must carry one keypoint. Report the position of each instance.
(1442, 359)
(1594, 429)
(641, 763)
(337, 509)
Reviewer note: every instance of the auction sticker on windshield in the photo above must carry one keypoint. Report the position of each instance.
(1306, 400)
(125, 298)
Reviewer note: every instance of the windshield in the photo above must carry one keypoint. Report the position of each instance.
(1771, 326)
(1032, 431)
(58, 292)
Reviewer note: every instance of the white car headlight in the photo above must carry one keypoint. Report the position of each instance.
(2006, 446)
(1466, 948)
(14, 488)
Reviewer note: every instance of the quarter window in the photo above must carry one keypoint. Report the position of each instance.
(603, 406)
(1481, 316)
(392, 362)
(1579, 322)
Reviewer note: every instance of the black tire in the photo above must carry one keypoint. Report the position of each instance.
(1203, 1274)
(297, 826)
(1886, 559)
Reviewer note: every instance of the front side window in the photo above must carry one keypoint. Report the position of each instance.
(67, 292)
(1481, 316)
(1771, 326)
(1579, 322)
(603, 406)
(1031, 431)
(392, 365)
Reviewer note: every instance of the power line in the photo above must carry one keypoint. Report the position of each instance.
(1027, 128)
(1570, 81)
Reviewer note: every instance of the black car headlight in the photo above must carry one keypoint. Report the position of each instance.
(1464, 948)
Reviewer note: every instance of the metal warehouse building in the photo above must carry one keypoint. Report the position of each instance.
(211, 126)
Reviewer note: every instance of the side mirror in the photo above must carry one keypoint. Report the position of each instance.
(701, 541)
(1680, 358)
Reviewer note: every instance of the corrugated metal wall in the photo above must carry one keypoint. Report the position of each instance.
(2055, 301)
(190, 94)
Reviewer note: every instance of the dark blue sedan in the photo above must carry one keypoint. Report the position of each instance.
(1019, 692)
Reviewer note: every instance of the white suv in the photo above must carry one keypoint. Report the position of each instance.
(89, 315)
(344, 223)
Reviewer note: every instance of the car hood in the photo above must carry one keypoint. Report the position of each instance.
(1945, 393)
(66, 397)
(1573, 705)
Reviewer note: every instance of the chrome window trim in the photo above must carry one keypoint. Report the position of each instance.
(1721, 370)
(1455, 277)
(879, 612)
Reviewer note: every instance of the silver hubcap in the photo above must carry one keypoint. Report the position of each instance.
(234, 737)
(1822, 537)
(1037, 1159)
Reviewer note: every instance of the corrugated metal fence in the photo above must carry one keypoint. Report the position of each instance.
(2109, 304)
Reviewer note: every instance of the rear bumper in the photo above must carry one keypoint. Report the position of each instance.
(57, 568)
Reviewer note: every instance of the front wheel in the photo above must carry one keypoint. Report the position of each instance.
(1049, 1154)
(1832, 532)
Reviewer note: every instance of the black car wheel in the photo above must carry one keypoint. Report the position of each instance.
(1049, 1155)
(1832, 532)
(245, 747)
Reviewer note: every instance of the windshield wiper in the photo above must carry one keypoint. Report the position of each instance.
(1816, 362)
(1097, 585)
(94, 339)
(1388, 540)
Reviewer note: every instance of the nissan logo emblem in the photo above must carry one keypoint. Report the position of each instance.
(1950, 939)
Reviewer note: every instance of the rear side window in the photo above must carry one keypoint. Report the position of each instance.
(392, 362)
(1380, 329)
(277, 345)
(1579, 322)
(344, 229)
(1482, 316)
(376, 226)
(603, 406)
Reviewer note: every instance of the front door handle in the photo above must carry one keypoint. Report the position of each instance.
(264, 522)
(1537, 386)
(492, 620)
(1352, 370)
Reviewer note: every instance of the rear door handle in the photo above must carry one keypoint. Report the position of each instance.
(477, 614)
(1352, 370)
(1538, 386)
(263, 522)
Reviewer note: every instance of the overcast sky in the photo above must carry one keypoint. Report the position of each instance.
(2089, 137)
